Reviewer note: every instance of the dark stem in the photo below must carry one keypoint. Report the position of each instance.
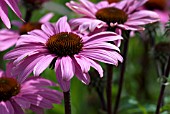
(102, 100)
(122, 70)
(28, 15)
(109, 88)
(159, 103)
(67, 104)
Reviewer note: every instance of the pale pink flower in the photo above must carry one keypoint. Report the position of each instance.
(4, 11)
(161, 7)
(32, 93)
(124, 15)
(8, 38)
(68, 52)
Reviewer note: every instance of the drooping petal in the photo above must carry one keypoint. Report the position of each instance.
(6, 108)
(79, 73)
(65, 85)
(67, 68)
(42, 64)
(13, 5)
(4, 14)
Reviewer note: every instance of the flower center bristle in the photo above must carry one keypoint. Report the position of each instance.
(113, 1)
(156, 4)
(112, 15)
(8, 88)
(27, 27)
(64, 44)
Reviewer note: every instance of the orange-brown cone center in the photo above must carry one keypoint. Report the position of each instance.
(113, 1)
(112, 15)
(64, 44)
(8, 87)
(156, 4)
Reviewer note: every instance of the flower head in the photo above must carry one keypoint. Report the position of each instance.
(160, 7)
(32, 93)
(68, 52)
(4, 11)
(8, 38)
(124, 15)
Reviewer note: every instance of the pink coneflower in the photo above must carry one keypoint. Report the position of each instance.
(8, 38)
(33, 94)
(161, 7)
(123, 15)
(68, 52)
(4, 11)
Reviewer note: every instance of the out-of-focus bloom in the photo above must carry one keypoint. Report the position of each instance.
(123, 15)
(8, 38)
(68, 52)
(4, 11)
(33, 4)
(32, 93)
(161, 7)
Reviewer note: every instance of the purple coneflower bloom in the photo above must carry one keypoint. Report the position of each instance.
(32, 93)
(8, 38)
(161, 7)
(123, 15)
(68, 52)
(4, 11)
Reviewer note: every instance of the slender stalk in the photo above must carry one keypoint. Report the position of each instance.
(28, 15)
(122, 70)
(101, 97)
(109, 88)
(67, 104)
(160, 99)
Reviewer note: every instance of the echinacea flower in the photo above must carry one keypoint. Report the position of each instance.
(122, 15)
(68, 52)
(33, 4)
(8, 38)
(161, 7)
(4, 11)
(32, 93)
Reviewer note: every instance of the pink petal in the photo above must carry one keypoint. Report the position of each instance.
(100, 55)
(80, 9)
(24, 68)
(6, 108)
(49, 29)
(65, 85)
(13, 5)
(17, 108)
(79, 73)
(67, 68)
(42, 64)
(22, 102)
(4, 14)
(62, 25)
(95, 65)
(46, 18)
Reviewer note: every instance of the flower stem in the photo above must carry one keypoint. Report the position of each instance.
(159, 103)
(28, 15)
(67, 104)
(122, 70)
(109, 88)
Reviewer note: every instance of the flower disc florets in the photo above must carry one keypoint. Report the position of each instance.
(64, 44)
(112, 15)
(8, 87)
